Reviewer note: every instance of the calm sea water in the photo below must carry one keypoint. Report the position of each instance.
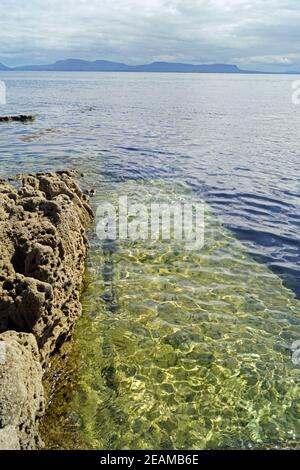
(234, 139)
(197, 349)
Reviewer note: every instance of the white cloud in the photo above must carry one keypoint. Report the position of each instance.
(138, 31)
(287, 59)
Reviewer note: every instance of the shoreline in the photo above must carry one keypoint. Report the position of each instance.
(43, 244)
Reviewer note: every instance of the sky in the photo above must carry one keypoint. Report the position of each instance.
(253, 34)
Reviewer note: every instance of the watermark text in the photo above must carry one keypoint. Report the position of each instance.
(178, 222)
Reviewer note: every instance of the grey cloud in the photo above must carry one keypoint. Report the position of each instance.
(253, 33)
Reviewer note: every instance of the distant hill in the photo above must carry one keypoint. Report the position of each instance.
(186, 68)
(78, 65)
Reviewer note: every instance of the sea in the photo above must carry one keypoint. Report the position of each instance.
(176, 348)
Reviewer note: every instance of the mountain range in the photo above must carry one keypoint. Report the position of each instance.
(78, 65)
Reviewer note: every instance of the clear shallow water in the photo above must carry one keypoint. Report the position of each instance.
(180, 349)
(197, 352)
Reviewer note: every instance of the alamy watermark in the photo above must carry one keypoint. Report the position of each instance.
(296, 92)
(2, 353)
(174, 222)
(2, 93)
(296, 352)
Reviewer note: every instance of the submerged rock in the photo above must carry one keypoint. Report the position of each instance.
(43, 249)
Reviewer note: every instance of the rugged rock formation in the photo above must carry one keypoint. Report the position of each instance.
(21, 391)
(43, 248)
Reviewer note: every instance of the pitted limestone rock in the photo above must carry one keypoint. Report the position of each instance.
(43, 250)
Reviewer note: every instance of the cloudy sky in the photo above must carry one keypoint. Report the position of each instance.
(256, 34)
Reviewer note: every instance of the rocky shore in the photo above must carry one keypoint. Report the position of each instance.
(43, 247)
